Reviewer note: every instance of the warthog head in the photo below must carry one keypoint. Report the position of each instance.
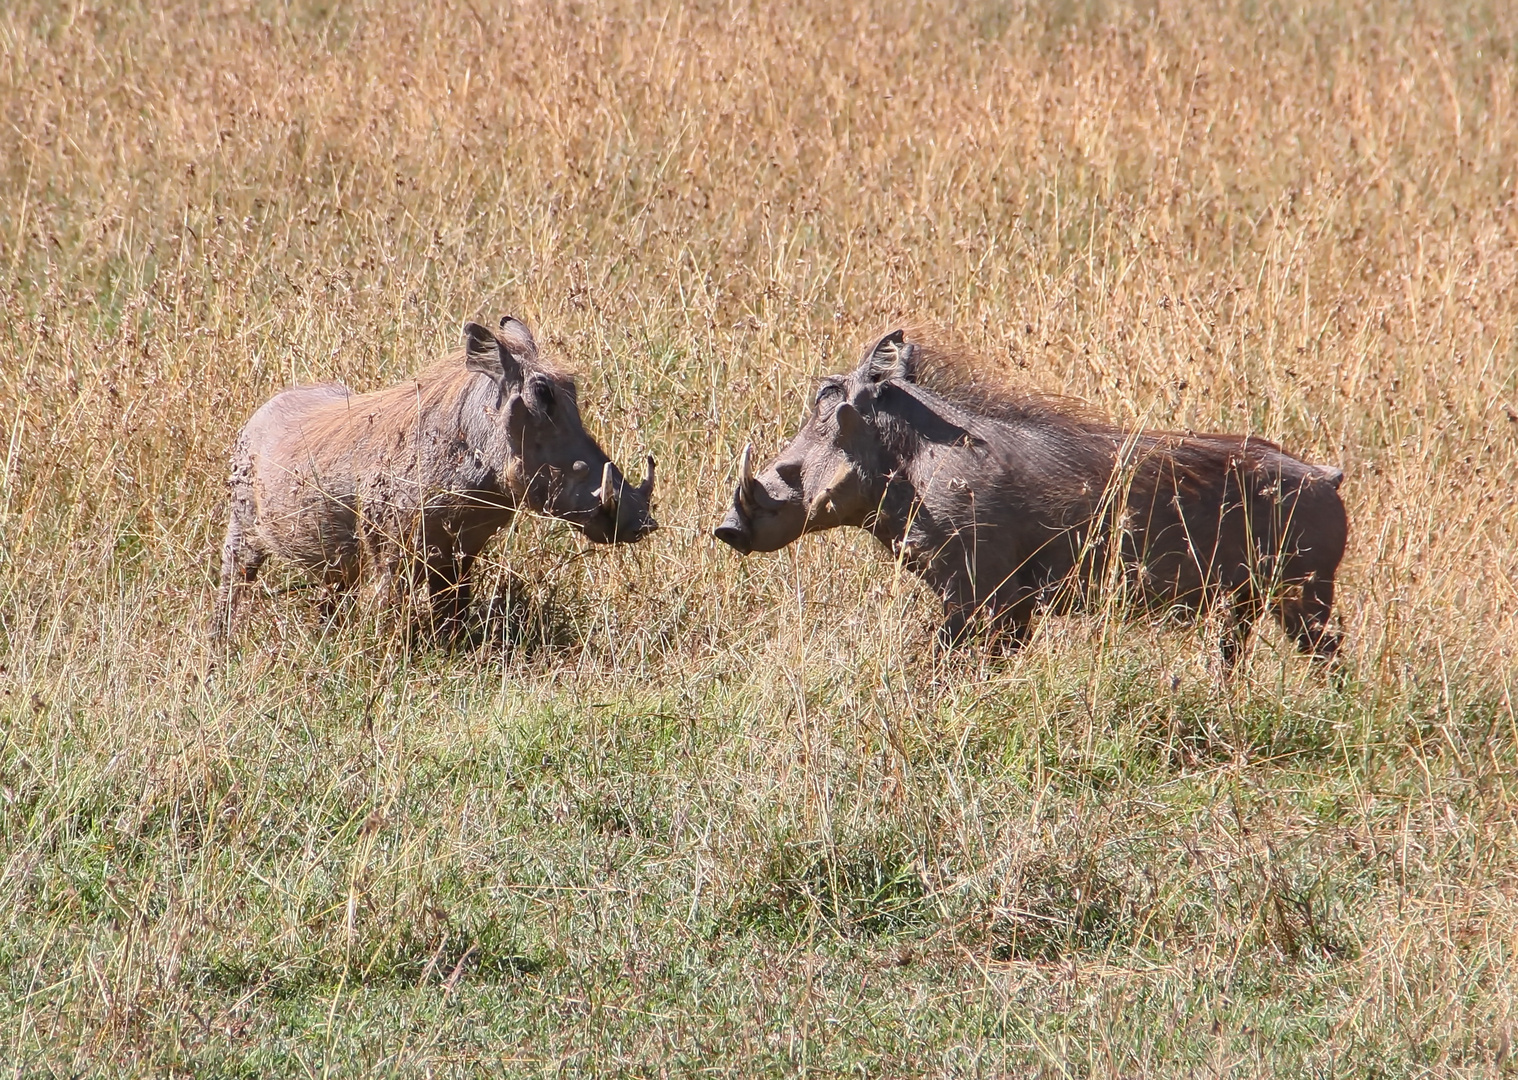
(835, 470)
(551, 464)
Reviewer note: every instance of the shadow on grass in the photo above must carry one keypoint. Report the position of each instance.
(860, 891)
(488, 957)
(508, 613)
(517, 615)
(1070, 903)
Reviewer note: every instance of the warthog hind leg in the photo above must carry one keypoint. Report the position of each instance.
(1003, 627)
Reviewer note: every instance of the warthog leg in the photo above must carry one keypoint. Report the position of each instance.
(1305, 617)
(1241, 611)
(383, 563)
(1004, 626)
(448, 588)
(241, 557)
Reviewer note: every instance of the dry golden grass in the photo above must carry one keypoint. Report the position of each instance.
(733, 814)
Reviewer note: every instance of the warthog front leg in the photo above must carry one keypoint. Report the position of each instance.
(1241, 609)
(241, 557)
(1003, 625)
(384, 592)
(1305, 616)
(383, 560)
(448, 588)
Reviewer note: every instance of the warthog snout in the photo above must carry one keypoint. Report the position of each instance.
(734, 532)
(622, 511)
(770, 510)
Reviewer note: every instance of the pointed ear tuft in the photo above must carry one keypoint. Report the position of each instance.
(892, 357)
(478, 341)
(518, 338)
(487, 354)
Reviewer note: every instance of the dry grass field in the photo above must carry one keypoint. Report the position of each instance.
(679, 812)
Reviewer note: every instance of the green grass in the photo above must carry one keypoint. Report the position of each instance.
(352, 865)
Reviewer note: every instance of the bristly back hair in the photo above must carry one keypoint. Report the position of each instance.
(970, 381)
(539, 365)
(440, 384)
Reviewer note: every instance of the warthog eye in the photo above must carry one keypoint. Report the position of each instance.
(542, 393)
(826, 390)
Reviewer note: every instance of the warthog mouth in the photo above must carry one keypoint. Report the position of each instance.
(733, 538)
(605, 524)
(646, 526)
(600, 531)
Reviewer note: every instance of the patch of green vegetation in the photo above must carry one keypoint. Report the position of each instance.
(861, 890)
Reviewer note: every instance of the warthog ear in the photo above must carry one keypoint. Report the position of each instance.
(487, 354)
(518, 338)
(891, 358)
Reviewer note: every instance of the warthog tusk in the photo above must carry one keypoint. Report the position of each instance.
(606, 492)
(647, 487)
(746, 477)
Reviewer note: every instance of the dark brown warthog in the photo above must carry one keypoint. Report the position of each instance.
(1006, 502)
(414, 479)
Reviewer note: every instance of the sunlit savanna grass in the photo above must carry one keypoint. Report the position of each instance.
(680, 811)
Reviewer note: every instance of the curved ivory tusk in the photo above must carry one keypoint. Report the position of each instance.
(647, 487)
(746, 476)
(605, 491)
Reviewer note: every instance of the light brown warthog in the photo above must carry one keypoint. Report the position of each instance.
(415, 478)
(1006, 502)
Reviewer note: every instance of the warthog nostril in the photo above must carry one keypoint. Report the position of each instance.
(733, 537)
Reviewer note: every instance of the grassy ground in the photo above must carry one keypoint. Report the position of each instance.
(681, 812)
